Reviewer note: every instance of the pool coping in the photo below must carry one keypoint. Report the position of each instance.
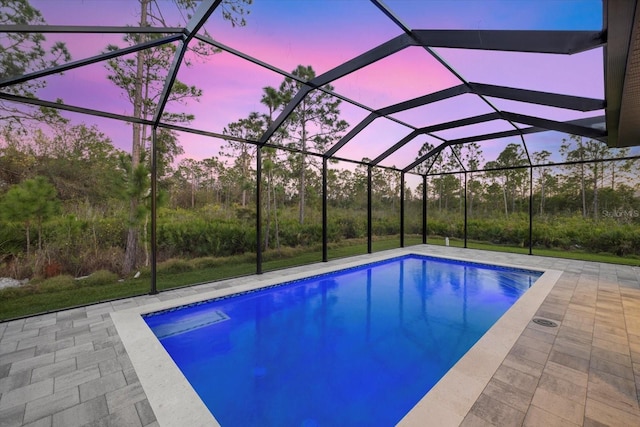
(175, 402)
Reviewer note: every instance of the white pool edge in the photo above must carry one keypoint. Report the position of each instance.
(175, 402)
(451, 399)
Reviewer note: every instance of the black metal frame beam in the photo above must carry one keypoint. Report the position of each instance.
(396, 147)
(377, 53)
(171, 126)
(154, 210)
(402, 195)
(466, 228)
(81, 110)
(524, 131)
(555, 125)
(351, 134)
(569, 102)
(546, 165)
(283, 73)
(462, 122)
(259, 210)
(196, 22)
(427, 156)
(424, 209)
(325, 219)
(431, 52)
(576, 127)
(396, 108)
(88, 29)
(369, 213)
(435, 128)
(88, 61)
(441, 95)
(503, 92)
(558, 42)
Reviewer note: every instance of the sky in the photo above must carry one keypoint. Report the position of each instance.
(325, 33)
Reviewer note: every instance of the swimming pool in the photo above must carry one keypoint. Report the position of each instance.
(354, 347)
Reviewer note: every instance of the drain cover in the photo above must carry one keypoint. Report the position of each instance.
(545, 322)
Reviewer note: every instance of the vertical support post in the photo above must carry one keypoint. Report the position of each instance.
(530, 210)
(325, 255)
(369, 216)
(259, 210)
(465, 209)
(402, 209)
(154, 208)
(424, 209)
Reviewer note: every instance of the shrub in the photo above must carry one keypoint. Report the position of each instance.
(100, 277)
(200, 238)
(351, 228)
(437, 227)
(18, 291)
(385, 226)
(58, 283)
(12, 238)
(173, 266)
(205, 262)
(294, 234)
(284, 252)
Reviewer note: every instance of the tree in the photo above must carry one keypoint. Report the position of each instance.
(470, 155)
(243, 153)
(618, 170)
(445, 186)
(142, 78)
(17, 161)
(313, 125)
(542, 157)
(212, 169)
(586, 150)
(272, 99)
(21, 53)
(506, 169)
(82, 163)
(192, 173)
(33, 200)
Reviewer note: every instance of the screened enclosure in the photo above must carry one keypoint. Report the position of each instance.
(151, 144)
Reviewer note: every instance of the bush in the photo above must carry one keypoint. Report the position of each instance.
(173, 266)
(205, 262)
(294, 234)
(99, 278)
(18, 291)
(385, 226)
(199, 238)
(352, 227)
(58, 283)
(12, 238)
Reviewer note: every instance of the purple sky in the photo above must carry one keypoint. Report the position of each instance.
(325, 33)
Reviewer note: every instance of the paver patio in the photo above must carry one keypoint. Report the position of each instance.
(70, 368)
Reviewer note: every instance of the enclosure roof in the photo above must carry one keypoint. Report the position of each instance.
(622, 72)
(445, 72)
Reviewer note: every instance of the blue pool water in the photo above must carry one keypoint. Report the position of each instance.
(357, 347)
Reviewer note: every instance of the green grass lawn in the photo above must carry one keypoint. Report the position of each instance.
(555, 253)
(43, 297)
